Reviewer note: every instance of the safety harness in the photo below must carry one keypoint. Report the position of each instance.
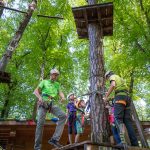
(46, 104)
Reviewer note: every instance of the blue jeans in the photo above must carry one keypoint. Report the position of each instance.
(115, 134)
(122, 115)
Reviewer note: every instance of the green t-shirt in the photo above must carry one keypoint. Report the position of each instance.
(120, 83)
(50, 88)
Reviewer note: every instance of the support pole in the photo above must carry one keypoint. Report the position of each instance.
(98, 112)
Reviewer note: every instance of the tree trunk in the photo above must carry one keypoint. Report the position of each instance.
(1, 8)
(135, 115)
(99, 115)
(6, 107)
(15, 40)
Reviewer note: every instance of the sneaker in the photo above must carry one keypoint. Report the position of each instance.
(54, 143)
(119, 145)
(124, 145)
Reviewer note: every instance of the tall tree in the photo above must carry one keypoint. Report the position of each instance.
(15, 40)
(98, 113)
(1, 8)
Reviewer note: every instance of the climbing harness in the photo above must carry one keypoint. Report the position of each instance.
(47, 105)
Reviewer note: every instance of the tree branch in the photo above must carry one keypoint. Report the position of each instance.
(145, 12)
(140, 47)
(1, 9)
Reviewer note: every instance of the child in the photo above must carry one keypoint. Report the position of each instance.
(71, 115)
(80, 105)
(112, 123)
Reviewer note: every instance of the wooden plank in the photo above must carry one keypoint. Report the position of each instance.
(100, 21)
(93, 6)
(88, 145)
(137, 148)
(96, 19)
(139, 126)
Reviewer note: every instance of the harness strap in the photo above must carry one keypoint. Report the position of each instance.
(121, 102)
(47, 105)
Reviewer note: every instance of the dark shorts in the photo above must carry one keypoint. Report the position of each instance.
(72, 123)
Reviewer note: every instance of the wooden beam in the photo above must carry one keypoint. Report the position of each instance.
(51, 17)
(83, 20)
(16, 10)
(139, 126)
(82, 30)
(93, 6)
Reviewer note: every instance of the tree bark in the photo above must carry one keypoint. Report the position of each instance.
(135, 115)
(15, 40)
(1, 9)
(99, 115)
(6, 107)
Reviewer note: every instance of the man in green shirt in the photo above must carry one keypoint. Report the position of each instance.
(122, 112)
(46, 92)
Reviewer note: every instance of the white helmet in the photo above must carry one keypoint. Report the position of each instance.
(54, 71)
(68, 96)
(108, 73)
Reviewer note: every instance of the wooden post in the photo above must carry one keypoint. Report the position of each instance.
(15, 40)
(98, 111)
(135, 115)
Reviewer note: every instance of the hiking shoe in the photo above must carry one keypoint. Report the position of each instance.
(54, 143)
(119, 145)
(124, 145)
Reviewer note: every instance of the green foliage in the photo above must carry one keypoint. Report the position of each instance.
(128, 50)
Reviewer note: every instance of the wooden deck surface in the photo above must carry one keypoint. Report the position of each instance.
(88, 145)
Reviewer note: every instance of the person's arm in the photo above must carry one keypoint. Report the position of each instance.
(111, 88)
(62, 96)
(37, 93)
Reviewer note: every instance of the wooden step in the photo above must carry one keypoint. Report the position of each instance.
(88, 145)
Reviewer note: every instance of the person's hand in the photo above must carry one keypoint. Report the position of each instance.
(107, 106)
(87, 115)
(62, 99)
(105, 99)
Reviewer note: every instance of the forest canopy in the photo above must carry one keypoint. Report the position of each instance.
(54, 43)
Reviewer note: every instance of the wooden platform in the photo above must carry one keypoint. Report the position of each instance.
(4, 77)
(88, 145)
(100, 13)
(20, 135)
